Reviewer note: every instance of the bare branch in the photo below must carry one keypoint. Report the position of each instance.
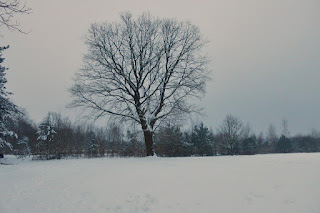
(10, 8)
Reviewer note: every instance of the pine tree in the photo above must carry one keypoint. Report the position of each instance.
(169, 142)
(202, 140)
(7, 108)
(92, 149)
(284, 145)
(249, 145)
(46, 135)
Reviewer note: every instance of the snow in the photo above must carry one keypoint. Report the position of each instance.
(284, 183)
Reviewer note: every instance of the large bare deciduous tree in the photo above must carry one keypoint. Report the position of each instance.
(143, 69)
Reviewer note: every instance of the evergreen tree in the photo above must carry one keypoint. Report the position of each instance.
(93, 147)
(249, 145)
(169, 142)
(302, 143)
(7, 108)
(46, 136)
(262, 145)
(202, 140)
(134, 147)
(284, 145)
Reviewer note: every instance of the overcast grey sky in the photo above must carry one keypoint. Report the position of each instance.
(265, 55)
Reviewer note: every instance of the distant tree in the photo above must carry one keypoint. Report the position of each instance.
(315, 133)
(135, 146)
(285, 129)
(78, 140)
(218, 145)
(115, 139)
(101, 141)
(93, 146)
(7, 108)
(304, 143)
(23, 147)
(8, 10)
(169, 142)
(284, 145)
(202, 140)
(230, 130)
(246, 131)
(25, 127)
(272, 137)
(262, 145)
(66, 135)
(144, 70)
(46, 137)
(249, 145)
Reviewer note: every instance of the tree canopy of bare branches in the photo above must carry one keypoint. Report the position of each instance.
(143, 69)
(10, 8)
(231, 130)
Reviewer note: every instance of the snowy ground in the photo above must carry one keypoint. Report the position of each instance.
(242, 184)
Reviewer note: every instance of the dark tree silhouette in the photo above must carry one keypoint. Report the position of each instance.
(144, 69)
(231, 130)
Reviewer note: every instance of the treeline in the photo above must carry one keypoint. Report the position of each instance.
(57, 137)
(200, 141)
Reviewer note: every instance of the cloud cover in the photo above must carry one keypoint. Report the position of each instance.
(265, 55)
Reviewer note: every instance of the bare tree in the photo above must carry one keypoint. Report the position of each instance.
(285, 129)
(246, 131)
(272, 136)
(115, 139)
(231, 131)
(142, 69)
(315, 133)
(10, 8)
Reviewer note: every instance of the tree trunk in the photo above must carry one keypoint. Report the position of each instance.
(148, 139)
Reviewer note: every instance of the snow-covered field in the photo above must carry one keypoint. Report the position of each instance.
(242, 184)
